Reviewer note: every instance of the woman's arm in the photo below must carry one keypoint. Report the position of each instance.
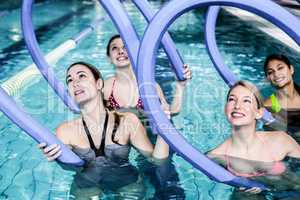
(139, 139)
(164, 104)
(179, 91)
(293, 148)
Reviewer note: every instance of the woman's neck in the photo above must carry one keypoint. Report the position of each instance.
(244, 135)
(93, 110)
(288, 91)
(125, 74)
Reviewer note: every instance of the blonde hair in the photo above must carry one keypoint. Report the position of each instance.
(250, 87)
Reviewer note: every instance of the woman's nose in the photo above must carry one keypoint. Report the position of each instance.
(237, 104)
(121, 50)
(75, 82)
(276, 73)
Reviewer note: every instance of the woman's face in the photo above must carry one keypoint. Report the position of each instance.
(279, 73)
(82, 85)
(241, 107)
(118, 54)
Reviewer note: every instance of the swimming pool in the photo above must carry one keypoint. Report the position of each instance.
(24, 174)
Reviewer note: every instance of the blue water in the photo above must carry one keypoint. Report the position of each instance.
(25, 174)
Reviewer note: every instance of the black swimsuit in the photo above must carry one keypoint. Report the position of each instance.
(108, 166)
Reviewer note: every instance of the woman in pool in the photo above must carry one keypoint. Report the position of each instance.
(285, 102)
(255, 154)
(102, 138)
(124, 82)
(121, 92)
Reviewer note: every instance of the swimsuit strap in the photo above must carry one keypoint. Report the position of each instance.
(116, 126)
(113, 86)
(275, 108)
(100, 151)
(112, 103)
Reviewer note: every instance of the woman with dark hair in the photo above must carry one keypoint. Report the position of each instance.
(103, 139)
(121, 92)
(285, 102)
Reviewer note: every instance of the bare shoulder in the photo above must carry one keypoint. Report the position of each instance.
(129, 123)
(277, 137)
(109, 80)
(129, 117)
(64, 129)
(108, 86)
(219, 150)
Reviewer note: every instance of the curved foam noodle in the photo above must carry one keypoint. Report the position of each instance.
(146, 62)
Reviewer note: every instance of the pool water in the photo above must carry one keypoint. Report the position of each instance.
(25, 174)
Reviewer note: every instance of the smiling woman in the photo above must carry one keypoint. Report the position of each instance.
(124, 82)
(251, 153)
(285, 102)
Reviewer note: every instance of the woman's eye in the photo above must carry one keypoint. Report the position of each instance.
(269, 73)
(230, 99)
(114, 48)
(82, 75)
(280, 68)
(247, 101)
(69, 81)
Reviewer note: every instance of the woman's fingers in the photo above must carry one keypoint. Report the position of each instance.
(42, 145)
(242, 188)
(51, 152)
(187, 72)
(51, 158)
(253, 190)
(168, 113)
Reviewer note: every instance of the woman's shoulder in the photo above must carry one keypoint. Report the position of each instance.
(128, 117)
(220, 149)
(108, 83)
(278, 138)
(64, 129)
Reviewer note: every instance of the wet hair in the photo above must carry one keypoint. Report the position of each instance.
(250, 87)
(96, 73)
(282, 58)
(110, 41)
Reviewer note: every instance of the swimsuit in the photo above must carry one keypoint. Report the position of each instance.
(290, 117)
(275, 108)
(277, 168)
(112, 104)
(108, 166)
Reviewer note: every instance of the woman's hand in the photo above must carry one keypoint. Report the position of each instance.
(51, 152)
(187, 74)
(253, 190)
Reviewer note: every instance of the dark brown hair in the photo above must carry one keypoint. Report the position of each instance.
(96, 73)
(282, 58)
(110, 41)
